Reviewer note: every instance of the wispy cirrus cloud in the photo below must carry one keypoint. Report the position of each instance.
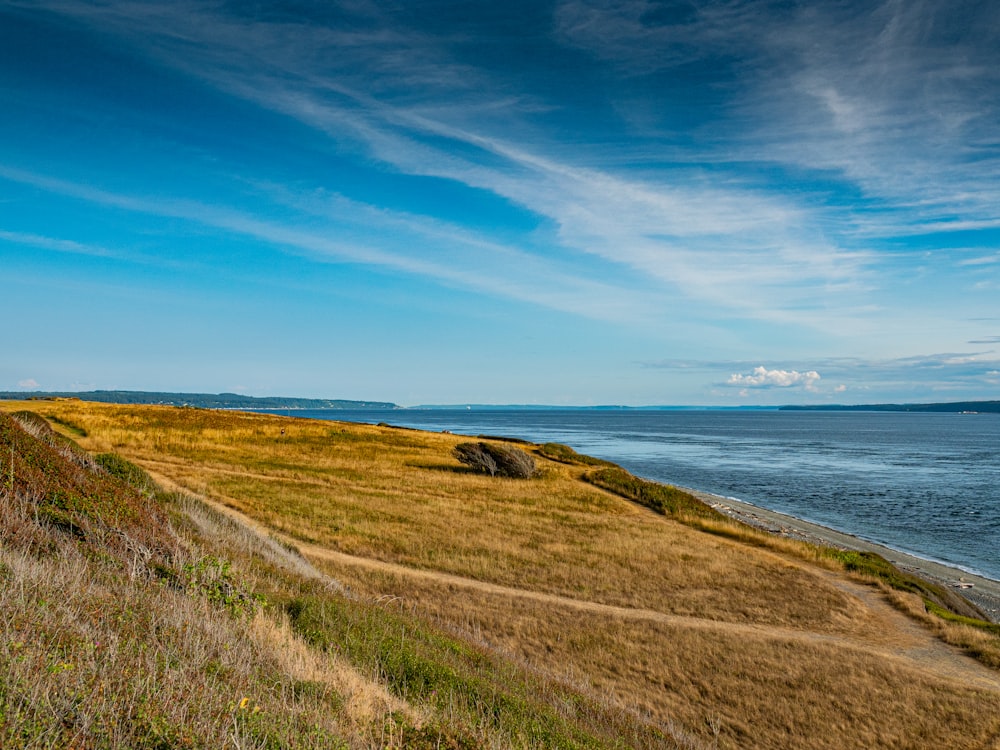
(501, 271)
(982, 260)
(54, 243)
(405, 95)
(800, 187)
(726, 246)
(896, 98)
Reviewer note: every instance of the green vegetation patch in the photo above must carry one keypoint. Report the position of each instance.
(875, 566)
(126, 471)
(481, 694)
(944, 614)
(566, 455)
(662, 498)
(74, 429)
(213, 579)
(68, 490)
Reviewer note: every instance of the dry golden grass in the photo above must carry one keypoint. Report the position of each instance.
(398, 495)
(93, 658)
(733, 640)
(730, 685)
(103, 649)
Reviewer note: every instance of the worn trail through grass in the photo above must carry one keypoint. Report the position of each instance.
(913, 644)
(909, 644)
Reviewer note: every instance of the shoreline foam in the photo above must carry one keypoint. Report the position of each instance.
(981, 591)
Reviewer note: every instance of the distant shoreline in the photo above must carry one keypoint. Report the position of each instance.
(270, 403)
(950, 407)
(981, 591)
(228, 401)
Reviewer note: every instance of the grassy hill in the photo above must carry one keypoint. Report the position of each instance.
(179, 578)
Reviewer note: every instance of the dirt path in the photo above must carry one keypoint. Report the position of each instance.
(910, 644)
(902, 639)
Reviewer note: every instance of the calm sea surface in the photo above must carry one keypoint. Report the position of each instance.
(927, 484)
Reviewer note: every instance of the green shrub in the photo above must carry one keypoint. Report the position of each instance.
(662, 498)
(213, 579)
(125, 470)
(565, 454)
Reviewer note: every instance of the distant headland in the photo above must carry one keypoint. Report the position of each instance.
(954, 407)
(200, 400)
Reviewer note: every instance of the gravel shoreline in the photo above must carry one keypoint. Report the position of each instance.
(983, 592)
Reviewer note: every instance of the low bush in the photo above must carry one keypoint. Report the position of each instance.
(126, 471)
(496, 460)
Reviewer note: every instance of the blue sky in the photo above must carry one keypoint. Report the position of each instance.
(577, 202)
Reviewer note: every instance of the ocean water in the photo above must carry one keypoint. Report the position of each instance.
(926, 484)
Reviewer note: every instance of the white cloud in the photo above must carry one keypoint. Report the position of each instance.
(963, 375)
(761, 377)
(49, 243)
(27, 383)
(985, 260)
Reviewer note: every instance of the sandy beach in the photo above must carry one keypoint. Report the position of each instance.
(983, 592)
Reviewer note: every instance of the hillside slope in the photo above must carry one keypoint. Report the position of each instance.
(444, 606)
(136, 618)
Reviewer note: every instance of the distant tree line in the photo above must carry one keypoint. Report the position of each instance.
(200, 400)
(955, 407)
